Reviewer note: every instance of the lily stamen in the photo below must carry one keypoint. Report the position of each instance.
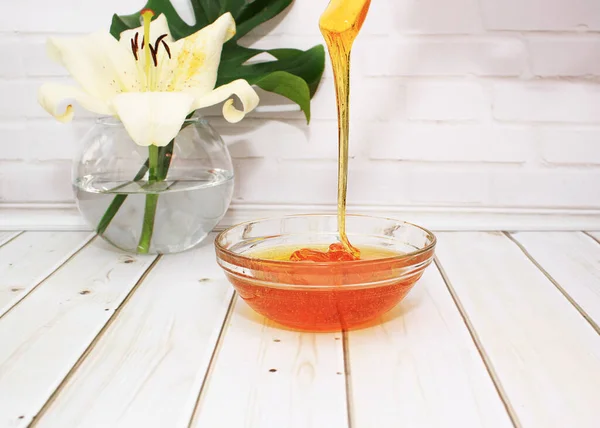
(161, 39)
(153, 52)
(134, 50)
(134, 46)
(167, 48)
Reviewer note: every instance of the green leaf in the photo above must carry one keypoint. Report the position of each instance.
(305, 65)
(211, 10)
(257, 12)
(236, 54)
(290, 86)
(122, 23)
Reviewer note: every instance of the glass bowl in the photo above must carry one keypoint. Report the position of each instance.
(323, 296)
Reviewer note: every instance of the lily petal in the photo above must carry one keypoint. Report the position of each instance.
(101, 66)
(153, 117)
(240, 88)
(58, 101)
(196, 58)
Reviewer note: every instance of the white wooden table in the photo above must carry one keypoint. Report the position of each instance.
(501, 332)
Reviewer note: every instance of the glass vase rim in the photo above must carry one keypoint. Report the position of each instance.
(401, 257)
(114, 121)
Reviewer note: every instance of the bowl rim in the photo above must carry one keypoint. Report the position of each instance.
(398, 258)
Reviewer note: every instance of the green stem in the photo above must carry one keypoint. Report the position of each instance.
(165, 154)
(116, 203)
(153, 164)
(151, 202)
(148, 226)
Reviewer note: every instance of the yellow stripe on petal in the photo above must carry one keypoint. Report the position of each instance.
(153, 117)
(58, 100)
(239, 88)
(196, 58)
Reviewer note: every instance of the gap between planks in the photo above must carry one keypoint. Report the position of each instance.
(10, 238)
(591, 236)
(559, 287)
(347, 378)
(480, 349)
(213, 358)
(59, 267)
(298, 382)
(93, 343)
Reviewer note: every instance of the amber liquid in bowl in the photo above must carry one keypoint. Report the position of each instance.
(327, 296)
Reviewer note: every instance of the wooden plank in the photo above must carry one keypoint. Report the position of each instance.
(149, 365)
(45, 335)
(572, 259)
(421, 368)
(31, 257)
(270, 377)
(546, 355)
(7, 236)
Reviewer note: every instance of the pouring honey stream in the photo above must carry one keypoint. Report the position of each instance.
(340, 24)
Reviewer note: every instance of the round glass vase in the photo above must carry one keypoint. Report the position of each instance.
(153, 200)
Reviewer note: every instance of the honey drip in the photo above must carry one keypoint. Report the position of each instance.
(340, 24)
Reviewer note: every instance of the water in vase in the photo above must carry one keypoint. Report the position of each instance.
(189, 207)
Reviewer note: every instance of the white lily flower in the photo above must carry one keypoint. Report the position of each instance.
(151, 89)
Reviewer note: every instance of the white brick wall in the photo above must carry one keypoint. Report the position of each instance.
(565, 55)
(442, 55)
(446, 101)
(583, 147)
(483, 103)
(552, 101)
(541, 15)
(444, 142)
